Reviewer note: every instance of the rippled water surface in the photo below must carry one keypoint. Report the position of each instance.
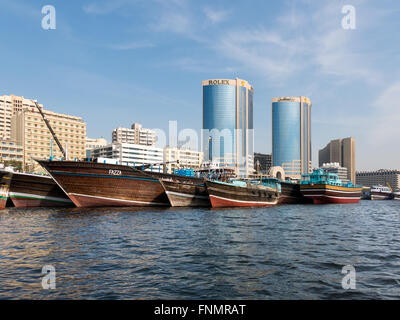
(285, 252)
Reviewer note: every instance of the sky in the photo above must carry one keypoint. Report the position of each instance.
(115, 62)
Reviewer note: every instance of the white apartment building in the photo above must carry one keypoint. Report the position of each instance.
(93, 143)
(182, 158)
(131, 154)
(135, 135)
(8, 106)
(22, 124)
(335, 167)
(10, 151)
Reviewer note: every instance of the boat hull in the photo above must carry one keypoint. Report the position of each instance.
(324, 194)
(91, 184)
(224, 196)
(30, 190)
(291, 194)
(396, 196)
(5, 181)
(181, 194)
(381, 195)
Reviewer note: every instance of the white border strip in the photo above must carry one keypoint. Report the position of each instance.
(242, 201)
(185, 195)
(36, 196)
(324, 195)
(119, 200)
(328, 190)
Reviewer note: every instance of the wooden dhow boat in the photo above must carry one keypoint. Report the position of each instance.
(324, 187)
(187, 193)
(33, 190)
(96, 184)
(5, 181)
(192, 192)
(239, 193)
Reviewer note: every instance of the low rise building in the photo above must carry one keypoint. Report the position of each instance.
(135, 135)
(93, 143)
(182, 158)
(334, 167)
(10, 151)
(131, 154)
(379, 177)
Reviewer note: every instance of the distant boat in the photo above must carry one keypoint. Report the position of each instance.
(396, 195)
(33, 190)
(380, 192)
(5, 181)
(238, 193)
(323, 187)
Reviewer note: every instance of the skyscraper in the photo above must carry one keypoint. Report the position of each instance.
(291, 135)
(342, 151)
(228, 132)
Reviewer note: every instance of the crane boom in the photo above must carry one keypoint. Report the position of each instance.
(51, 130)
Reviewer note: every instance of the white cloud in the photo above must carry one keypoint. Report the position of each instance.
(216, 16)
(174, 22)
(309, 39)
(385, 126)
(261, 51)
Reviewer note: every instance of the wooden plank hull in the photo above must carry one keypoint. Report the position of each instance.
(30, 190)
(224, 196)
(181, 194)
(291, 194)
(5, 181)
(91, 184)
(324, 194)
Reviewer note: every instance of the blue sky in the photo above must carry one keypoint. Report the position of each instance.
(114, 62)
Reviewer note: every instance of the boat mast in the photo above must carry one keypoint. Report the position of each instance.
(51, 130)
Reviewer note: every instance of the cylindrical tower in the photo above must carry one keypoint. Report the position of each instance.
(291, 135)
(228, 132)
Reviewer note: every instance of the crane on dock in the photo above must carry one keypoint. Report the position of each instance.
(46, 121)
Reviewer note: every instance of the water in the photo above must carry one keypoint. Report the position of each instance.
(285, 252)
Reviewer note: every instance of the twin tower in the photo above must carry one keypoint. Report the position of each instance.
(228, 130)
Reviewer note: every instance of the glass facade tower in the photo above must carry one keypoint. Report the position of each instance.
(227, 128)
(291, 135)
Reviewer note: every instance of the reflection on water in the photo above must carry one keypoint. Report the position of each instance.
(286, 252)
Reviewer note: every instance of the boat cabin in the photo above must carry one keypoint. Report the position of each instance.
(320, 176)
